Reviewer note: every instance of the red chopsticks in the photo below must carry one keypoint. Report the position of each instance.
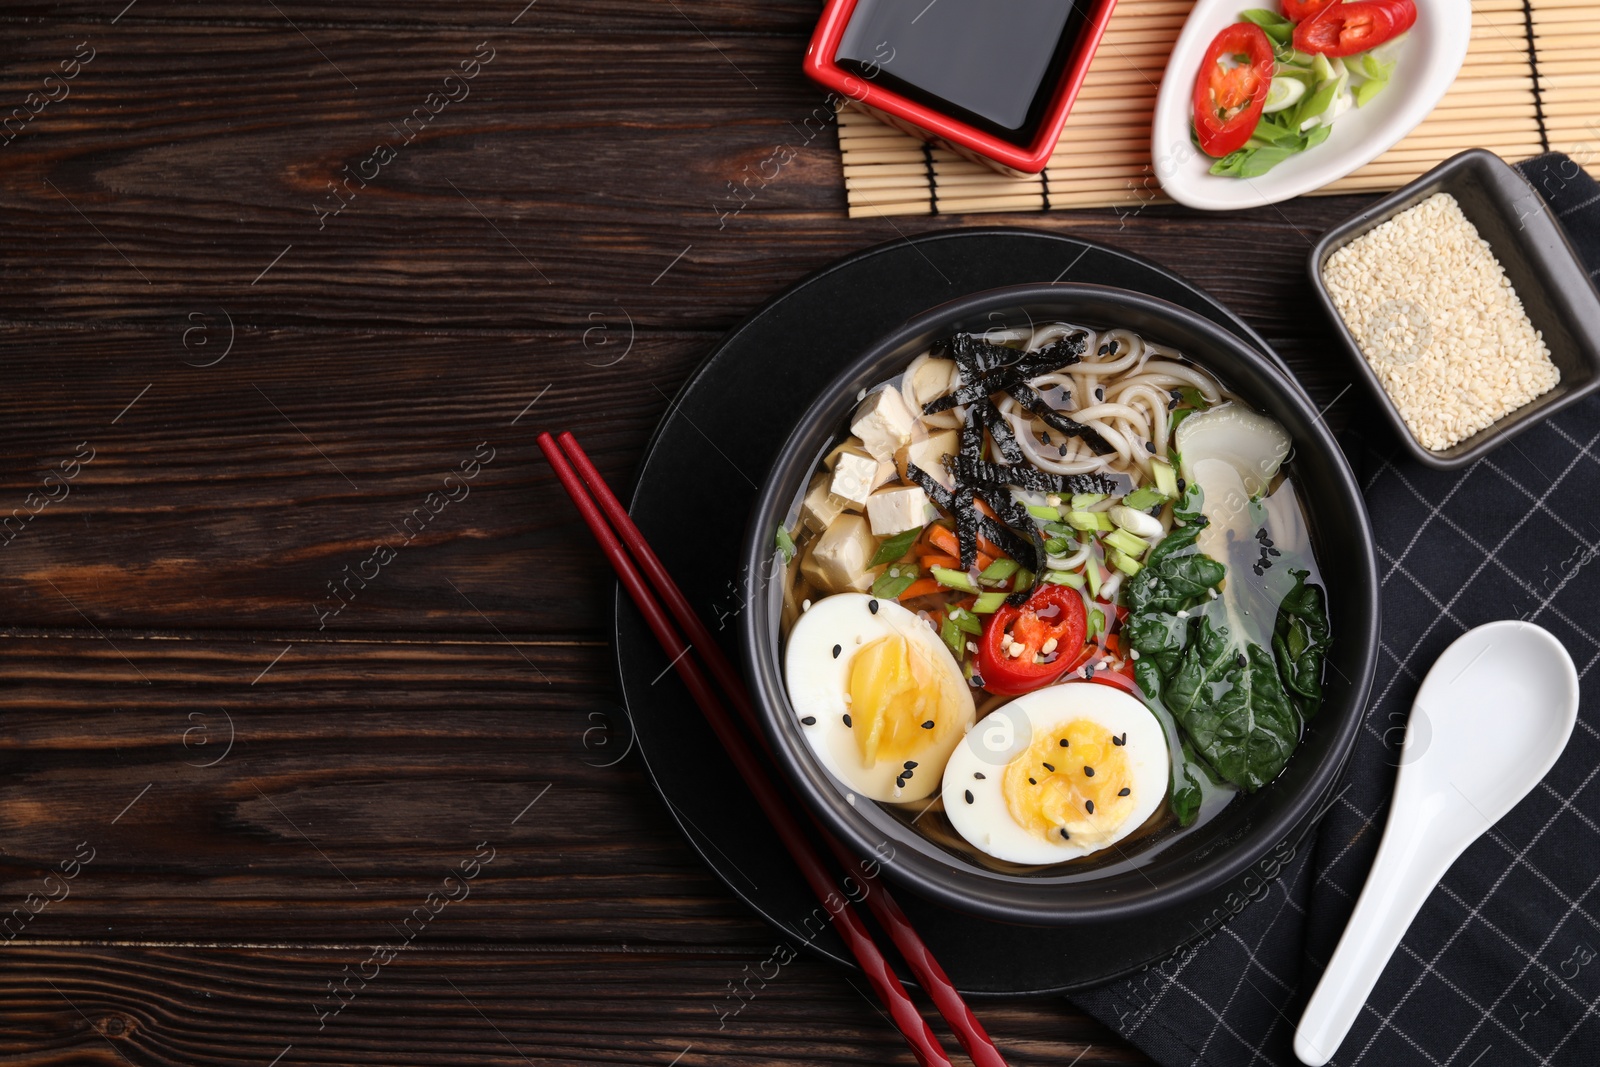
(602, 511)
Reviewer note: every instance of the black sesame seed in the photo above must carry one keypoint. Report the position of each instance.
(1088, 772)
(1099, 392)
(836, 650)
(1150, 447)
(1241, 661)
(1174, 402)
(928, 725)
(847, 718)
(1033, 781)
(1124, 791)
(1114, 346)
(1063, 742)
(1272, 551)
(968, 795)
(872, 606)
(809, 720)
(1064, 835)
(1120, 740)
(1104, 349)
(1048, 767)
(1089, 804)
(1062, 450)
(1261, 534)
(910, 763)
(979, 775)
(1044, 438)
(1088, 672)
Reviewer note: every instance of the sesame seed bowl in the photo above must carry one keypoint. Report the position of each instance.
(1161, 866)
(1463, 307)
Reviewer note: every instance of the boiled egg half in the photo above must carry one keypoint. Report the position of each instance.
(1057, 773)
(880, 699)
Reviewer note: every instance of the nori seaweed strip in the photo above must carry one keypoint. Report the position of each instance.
(1003, 536)
(972, 433)
(1000, 430)
(982, 475)
(966, 512)
(1036, 404)
(979, 381)
(1007, 539)
(942, 498)
(974, 356)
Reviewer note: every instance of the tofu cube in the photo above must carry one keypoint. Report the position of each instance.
(884, 423)
(896, 510)
(820, 507)
(855, 476)
(929, 454)
(838, 561)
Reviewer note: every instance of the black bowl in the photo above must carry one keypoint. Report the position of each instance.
(1181, 867)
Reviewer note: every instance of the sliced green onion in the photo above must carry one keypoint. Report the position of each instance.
(1092, 572)
(895, 547)
(966, 620)
(1024, 579)
(1166, 480)
(1070, 578)
(954, 579)
(1128, 544)
(785, 545)
(1057, 546)
(1126, 564)
(1284, 92)
(1145, 497)
(1097, 623)
(999, 570)
(988, 603)
(894, 581)
(1044, 513)
(1084, 500)
(953, 638)
(1088, 520)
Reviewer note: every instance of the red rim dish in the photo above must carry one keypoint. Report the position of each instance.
(924, 122)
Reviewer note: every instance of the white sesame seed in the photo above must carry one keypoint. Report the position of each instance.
(1439, 322)
(805, 605)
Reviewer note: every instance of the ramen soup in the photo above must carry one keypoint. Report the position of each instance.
(1050, 593)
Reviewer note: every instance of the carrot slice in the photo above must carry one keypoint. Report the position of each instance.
(920, 587)
(939, 559)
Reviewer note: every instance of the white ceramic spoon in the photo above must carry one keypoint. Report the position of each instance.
(1488, 723)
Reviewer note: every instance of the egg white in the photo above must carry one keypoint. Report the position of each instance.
(819, 683)
(977, 769)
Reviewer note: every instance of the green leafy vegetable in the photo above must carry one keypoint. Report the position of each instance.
(895, 547)
(1176, 575)
(785, 545)
(1229, 700)
(1187, 792)
(1186, 512)
(1300, 639)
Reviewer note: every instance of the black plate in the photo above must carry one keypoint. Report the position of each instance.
(696, 486)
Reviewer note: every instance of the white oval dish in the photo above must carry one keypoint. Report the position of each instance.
(1429, 57)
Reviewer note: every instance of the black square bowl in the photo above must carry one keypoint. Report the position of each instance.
(1546, 272)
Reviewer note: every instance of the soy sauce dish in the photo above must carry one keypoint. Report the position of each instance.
(1062, 602)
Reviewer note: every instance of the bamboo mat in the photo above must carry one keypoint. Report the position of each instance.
(1529, 84)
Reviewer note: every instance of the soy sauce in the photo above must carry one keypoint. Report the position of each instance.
(993, 64)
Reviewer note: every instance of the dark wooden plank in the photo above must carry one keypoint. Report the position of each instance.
(590, 17)
(553, 169)
(230, 496)
(278, 790)
(435, 1005)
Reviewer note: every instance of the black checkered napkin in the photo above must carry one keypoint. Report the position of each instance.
(1502, 966)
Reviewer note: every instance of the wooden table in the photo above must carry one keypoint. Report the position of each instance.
(273, 272)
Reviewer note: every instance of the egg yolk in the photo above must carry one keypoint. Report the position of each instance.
(1071, 783)
(900, 701)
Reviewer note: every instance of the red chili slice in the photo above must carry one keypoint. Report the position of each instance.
(1300, 10)
(1345, 29)
(1053, 612)
(1228, 99)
